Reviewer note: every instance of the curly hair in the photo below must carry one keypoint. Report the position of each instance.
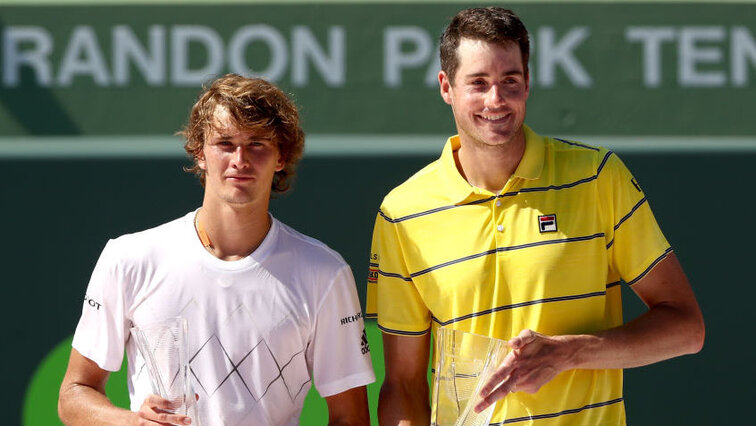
(490, 24)
(253, 104)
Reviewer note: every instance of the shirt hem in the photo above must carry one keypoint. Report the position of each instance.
(89, 355)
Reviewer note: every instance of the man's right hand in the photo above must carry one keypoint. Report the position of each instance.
(158, 410)
(82, 400)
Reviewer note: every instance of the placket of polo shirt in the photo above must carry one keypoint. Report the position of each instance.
(500, 230)
(498, 212)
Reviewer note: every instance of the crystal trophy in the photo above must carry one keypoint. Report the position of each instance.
(163, 347)
(464, 361)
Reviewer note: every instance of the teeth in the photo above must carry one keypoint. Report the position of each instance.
(494, 117)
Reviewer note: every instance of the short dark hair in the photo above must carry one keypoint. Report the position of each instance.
(491, 24)
(253, 104)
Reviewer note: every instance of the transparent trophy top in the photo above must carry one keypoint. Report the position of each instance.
(463, 363)
(164, 349)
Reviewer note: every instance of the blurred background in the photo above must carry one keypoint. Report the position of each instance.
(91, 93)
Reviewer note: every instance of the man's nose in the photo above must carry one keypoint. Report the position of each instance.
(495, 97)
(241, 157)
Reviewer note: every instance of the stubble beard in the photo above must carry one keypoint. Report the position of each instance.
(504, 142)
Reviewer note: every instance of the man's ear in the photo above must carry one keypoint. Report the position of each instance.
(527, 80)
(445, 87)
(200, 160)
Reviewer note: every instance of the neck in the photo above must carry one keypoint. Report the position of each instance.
(490, 166)
(232, 232)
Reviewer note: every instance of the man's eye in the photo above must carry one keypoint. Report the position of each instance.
(478, 85)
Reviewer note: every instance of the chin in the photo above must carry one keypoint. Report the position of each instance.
(495, 140)
(239, 198)
(501, 137)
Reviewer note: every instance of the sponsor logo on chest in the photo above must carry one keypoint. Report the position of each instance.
(547, 223)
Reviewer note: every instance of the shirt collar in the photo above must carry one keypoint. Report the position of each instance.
(455, 186)
(530, 167)
(531, 164)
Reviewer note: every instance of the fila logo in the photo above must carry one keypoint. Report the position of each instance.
(547, 223)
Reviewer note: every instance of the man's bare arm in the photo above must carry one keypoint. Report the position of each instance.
(404, 394)
(82, 399)
(672, 326)
(348, 408)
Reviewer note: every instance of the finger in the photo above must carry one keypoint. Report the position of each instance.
(173, 419)
(500, 392)
(165, 418)
(536, 378)
(157, 401)
(525, 337)
(158, 409)
(502, 372)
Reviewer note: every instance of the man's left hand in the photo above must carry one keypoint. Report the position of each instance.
(535, 359)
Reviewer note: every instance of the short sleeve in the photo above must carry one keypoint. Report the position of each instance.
(103, 327)
(635, 241)
(392, 297)
(338, 354)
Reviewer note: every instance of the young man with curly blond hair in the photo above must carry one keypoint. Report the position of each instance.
(265, 305)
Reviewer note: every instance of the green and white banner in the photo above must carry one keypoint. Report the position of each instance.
(596, 68)
(669, 76)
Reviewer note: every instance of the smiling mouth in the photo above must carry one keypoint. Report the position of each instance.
(493, 118)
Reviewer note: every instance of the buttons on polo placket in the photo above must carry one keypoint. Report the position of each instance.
(498, 215)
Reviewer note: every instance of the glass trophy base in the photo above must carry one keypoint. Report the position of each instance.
(464, 361)
(163, 347)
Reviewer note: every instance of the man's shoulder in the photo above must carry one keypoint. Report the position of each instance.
(575, 156)
(419, 192)
(146, 242)
(568, 146)
(304, 250)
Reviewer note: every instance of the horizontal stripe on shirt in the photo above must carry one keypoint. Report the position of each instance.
(506, 194)
(490, 252)
(561, 413)
(650, 267)
(406, 333)
(523, 304)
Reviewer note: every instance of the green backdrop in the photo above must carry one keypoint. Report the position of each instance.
(58, 215)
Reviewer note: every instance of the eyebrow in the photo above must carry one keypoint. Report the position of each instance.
(485, 74)
(250, 138)
(260, 138)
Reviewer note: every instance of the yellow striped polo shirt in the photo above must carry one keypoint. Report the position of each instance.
(547, 253)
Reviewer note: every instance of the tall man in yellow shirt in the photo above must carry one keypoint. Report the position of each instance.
(525, 238)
